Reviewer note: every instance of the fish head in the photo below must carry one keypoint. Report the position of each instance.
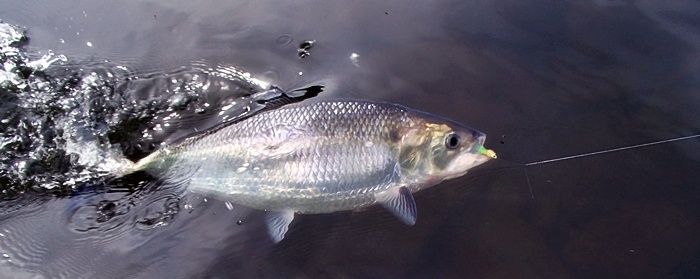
(435, 149)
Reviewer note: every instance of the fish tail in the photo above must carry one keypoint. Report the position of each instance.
(118, 165)
(124, 167)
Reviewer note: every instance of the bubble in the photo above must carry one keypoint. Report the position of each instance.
(355, 59)
(270, 75)
(189, 208)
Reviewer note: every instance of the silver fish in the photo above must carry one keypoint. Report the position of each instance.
(323, 157)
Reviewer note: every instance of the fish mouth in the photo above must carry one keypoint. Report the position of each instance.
(483, 150)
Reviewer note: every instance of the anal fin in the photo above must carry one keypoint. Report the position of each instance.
(278, 223)
(399, 201)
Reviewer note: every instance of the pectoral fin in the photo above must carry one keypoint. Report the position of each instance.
(278, 223)
(399, 201)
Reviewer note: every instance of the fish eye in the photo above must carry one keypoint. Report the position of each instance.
(452, 141)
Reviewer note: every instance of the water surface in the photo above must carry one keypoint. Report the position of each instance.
(543, 79)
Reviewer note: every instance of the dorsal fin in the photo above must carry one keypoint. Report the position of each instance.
(277, 98)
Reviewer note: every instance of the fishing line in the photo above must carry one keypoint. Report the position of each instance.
(570, 157)
(609, 150)
(529, 185)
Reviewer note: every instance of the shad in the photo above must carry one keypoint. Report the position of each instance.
(323, 157)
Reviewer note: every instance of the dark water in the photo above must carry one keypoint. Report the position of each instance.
(543, 78)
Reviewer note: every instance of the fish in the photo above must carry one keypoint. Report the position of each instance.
(322, 157)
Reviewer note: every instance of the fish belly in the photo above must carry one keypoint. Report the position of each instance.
(318, 178)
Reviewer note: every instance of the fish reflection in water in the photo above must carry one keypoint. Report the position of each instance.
(322, 157)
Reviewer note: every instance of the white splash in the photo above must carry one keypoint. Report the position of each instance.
(45, 61)
(9, 35)
(355, 59)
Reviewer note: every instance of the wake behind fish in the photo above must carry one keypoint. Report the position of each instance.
(66, 127)
(64, 121)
